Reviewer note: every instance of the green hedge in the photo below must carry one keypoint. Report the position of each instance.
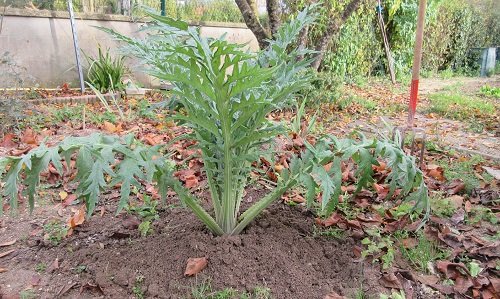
(453, 29)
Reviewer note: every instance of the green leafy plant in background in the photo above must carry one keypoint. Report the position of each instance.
(357, 51)
(104, 72)
(214, 11)
(226, 94)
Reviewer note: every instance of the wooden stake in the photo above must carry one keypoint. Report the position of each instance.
(417, 60)
(390, 61)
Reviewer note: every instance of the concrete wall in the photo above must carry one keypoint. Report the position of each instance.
(36, 47)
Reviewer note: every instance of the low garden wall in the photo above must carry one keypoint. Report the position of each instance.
(36, 46)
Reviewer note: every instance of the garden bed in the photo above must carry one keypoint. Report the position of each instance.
(107, 257)
(285, 253)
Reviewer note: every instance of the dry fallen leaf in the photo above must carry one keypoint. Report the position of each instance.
(191, 181)
(35, 280)
(69, 200)
(63, 195)
(389, 280)
(382, 191)
(454, 187)
(78, 218)
(468, 206)
(7, 141)
(436, 172)
(109, 127)
(6, 253)
(8, 243)
(29, 137)
(195, 265)
(456, 200)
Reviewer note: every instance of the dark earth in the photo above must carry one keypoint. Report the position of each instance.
(105, 256)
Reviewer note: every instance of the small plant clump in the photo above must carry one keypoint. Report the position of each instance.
(55, 231)
(137, 289)
(381, 246)
(40, 268)
(330, 232)
(147, 212)
(27, 294)
(105, 73)
(460, 107)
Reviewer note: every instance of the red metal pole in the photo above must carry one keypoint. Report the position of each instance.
(417, 59)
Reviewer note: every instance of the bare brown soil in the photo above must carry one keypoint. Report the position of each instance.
(278, 251)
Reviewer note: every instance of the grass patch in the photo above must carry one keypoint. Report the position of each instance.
(423, 253)
(205, 291)
(461, 107)
(27, 294)
(40, 268)
(137, 289)
(353, 102)
(441, 206)
(488, 91)
(329, 232)
(463, 168)
(480, 213)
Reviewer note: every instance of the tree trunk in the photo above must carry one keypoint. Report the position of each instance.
(253, 23)
(253, 5)
(332, 29)
(302, 41)
(273, 11)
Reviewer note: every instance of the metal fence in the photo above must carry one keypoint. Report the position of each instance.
(193, 10)
(122, 7)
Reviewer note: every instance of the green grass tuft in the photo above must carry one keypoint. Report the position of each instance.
(423, 253)
(463, 169)
(204, 290)
(460, 107)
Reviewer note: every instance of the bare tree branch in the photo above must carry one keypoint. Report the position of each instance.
(253, 23)
(253, 5)
(274, 13)
(302, 41)
(332, 29)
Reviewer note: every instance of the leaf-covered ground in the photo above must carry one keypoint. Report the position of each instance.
(455, 254)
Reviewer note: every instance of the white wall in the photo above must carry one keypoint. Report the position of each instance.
(39, 49)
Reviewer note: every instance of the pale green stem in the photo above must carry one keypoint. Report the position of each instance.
(250, 214)
(263, 203)
(214, 192)
(239, 197)
(198, 210)
(228, 202)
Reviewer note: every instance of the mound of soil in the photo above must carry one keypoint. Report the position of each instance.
(105, 256)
